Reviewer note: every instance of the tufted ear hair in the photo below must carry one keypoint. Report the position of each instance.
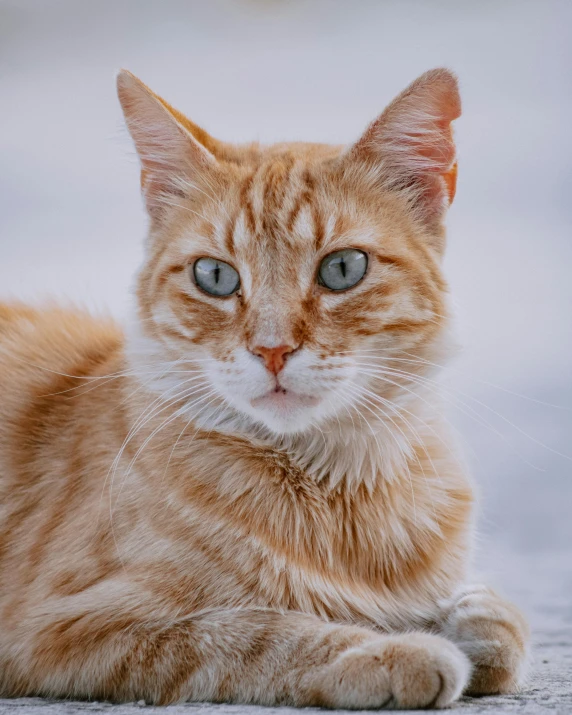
(410, 145)
(171, 148)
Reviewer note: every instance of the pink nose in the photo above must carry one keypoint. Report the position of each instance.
(274, 358)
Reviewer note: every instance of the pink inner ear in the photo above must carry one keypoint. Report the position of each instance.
(439, 180)
(439, 175)
(435, 143)
(167, 147)
(412, 141)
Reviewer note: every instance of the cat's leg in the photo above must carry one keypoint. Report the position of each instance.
(493, 634)
(243, 655)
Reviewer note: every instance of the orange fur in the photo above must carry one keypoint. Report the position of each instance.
(252, 498)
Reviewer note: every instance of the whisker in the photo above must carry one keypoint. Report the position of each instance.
(466, 409)
(420, 441)
(149, 411)
(418, 359)
(362, 401)
(163, 424)
(79, 377)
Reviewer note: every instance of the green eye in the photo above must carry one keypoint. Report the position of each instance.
(343, 269)
(215, 277)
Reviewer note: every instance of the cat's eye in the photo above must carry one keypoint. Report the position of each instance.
(343, 269)
(216, 277)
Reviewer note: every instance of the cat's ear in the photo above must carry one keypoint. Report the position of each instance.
(410, 145)
(171, 148)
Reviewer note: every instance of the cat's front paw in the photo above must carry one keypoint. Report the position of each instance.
(408, 671)
(494, 635)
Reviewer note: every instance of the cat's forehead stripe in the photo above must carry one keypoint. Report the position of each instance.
(229, 235)
(277, 206)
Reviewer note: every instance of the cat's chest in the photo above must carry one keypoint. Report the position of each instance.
(369, 567)
(267, 535)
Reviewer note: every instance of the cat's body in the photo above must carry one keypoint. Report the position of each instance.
(161, 540)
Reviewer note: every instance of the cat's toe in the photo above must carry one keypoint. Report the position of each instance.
(406, 672)
(426, 671)
(494, 634)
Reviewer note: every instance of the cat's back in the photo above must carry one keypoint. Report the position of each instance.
(45, 355)
(53, 386)
(42, 347)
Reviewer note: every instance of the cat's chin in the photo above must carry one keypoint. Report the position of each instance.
(284, 410)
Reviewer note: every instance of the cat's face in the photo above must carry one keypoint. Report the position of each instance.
(283, 280)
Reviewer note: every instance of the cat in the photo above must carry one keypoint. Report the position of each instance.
(252, 496)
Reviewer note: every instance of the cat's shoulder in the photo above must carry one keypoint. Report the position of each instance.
(67, 323)
(39, 342)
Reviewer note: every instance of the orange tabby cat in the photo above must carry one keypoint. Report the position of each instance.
(252, 497)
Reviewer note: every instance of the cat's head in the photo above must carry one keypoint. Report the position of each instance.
(296, 283)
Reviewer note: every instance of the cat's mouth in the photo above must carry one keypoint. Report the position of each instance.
(283, 399)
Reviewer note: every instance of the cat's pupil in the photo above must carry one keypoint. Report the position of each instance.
(215, 277)
(341, 270)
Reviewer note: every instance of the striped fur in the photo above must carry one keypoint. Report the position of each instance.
(169, 529)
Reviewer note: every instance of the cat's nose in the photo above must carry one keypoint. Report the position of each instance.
(274, 358)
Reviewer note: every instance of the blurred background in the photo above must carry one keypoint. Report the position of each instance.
(72, 221)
